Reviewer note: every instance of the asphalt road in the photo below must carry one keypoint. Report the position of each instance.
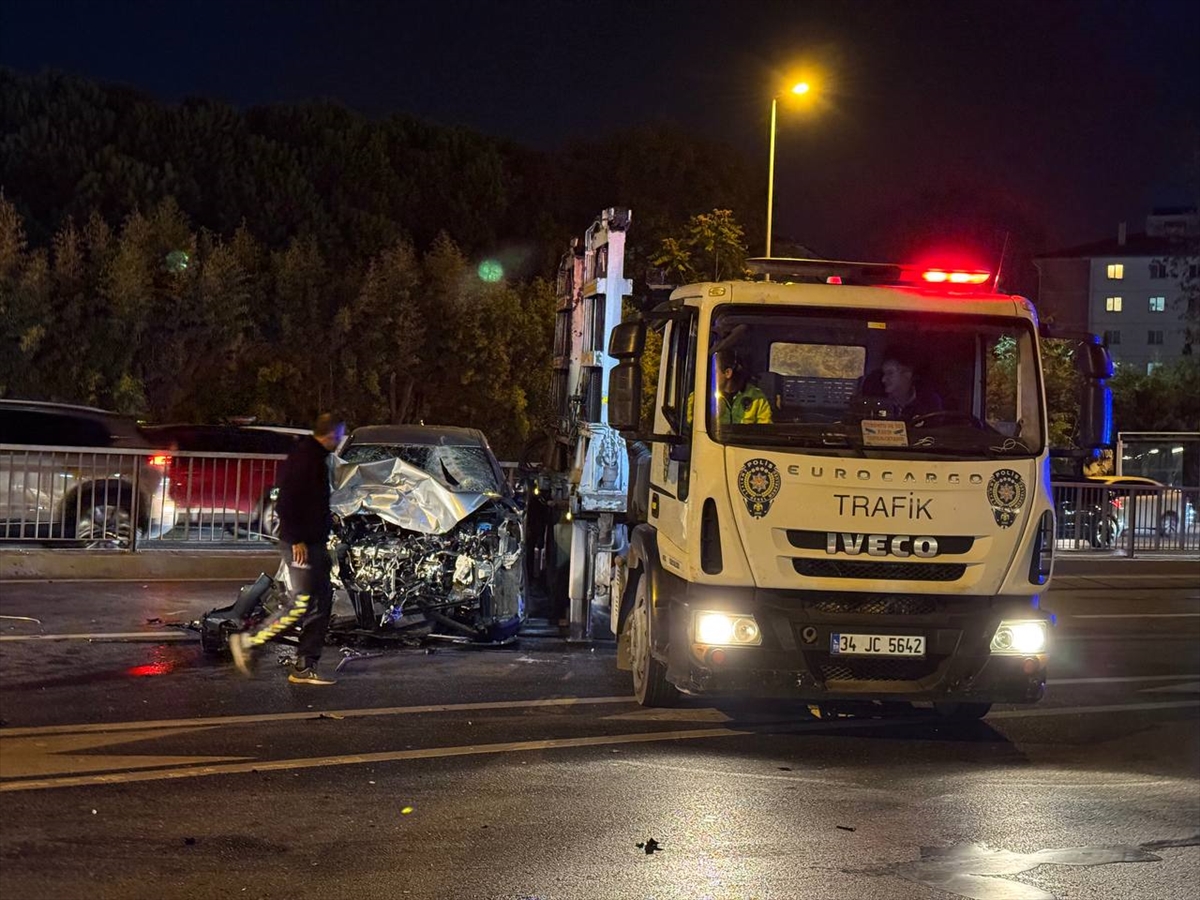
(133, 767)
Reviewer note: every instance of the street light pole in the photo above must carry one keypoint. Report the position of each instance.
(771, 177)
(801, 88)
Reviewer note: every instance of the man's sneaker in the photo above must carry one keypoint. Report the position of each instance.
(242, 652)
(308, 676)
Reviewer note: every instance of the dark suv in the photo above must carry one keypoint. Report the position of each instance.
(67, 473)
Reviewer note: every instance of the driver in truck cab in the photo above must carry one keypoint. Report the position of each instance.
(738, 401)
(904, 386)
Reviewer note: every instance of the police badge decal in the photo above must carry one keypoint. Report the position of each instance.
(759, 483)
(1006, 494)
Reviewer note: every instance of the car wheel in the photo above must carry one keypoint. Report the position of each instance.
(1104, 532)
(104, 525)
(265, 523)
(962, 712)
(650, 684)
(1168, 524)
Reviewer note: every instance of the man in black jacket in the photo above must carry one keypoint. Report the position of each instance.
(304, 525)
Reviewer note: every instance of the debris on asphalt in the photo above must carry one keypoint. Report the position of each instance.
(846, 828)
(22, 619)
(93, 812)
(349, 655)
(189, 841)
(370, 782)
(407, 811)
(785, 768)
(330, 716)
(650, 846)
(154, 621)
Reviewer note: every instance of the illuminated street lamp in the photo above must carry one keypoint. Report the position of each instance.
(801, 88)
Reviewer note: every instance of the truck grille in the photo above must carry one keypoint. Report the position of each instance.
(830, 568)
(876, 669)
(875, 605)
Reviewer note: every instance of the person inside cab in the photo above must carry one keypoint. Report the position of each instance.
(904, 386)
(738, 401)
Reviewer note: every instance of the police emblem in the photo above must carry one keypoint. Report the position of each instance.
(1006, 494)
(759, 484)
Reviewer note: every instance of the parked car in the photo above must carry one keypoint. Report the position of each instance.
(1111, 505)
(428, 532)
(60, 484)
(1155, 506)
(223, 476)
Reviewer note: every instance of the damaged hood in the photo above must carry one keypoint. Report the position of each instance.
(401, 494)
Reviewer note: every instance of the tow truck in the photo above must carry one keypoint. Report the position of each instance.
(840, 546)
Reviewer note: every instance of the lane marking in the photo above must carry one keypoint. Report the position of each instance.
(23, 757)
(1121, 679)
(1082, 710)
(104, 727)
(104, 636)
(210, 580)
(1189, 688)
(355, 759)
(1187, 615)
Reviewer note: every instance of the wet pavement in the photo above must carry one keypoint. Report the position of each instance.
(135, 767)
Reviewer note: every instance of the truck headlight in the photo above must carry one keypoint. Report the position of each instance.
(1020, 638)
(727, 629)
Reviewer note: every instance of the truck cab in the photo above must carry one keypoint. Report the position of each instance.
(847, 494)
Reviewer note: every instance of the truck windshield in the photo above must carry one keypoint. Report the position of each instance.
(874, 381)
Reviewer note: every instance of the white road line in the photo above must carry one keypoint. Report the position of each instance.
(1044, 711)
(1187, 615)
(276, 765)
(310, 714)
(1121, 679)
(104, 636)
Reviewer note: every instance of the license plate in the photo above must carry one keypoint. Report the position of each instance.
(876, 645)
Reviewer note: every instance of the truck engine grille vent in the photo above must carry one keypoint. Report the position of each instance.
(829, 568)
(877, 606)
(877, 669)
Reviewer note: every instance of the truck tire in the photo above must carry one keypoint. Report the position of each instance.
(650, 684)
(962, 712)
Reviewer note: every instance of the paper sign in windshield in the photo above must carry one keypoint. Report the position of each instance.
(884, 433)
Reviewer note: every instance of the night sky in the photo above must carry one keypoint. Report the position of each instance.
(1081, 113)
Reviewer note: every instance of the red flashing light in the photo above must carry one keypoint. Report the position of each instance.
(161, 460)
(834, 279)
(955, 276)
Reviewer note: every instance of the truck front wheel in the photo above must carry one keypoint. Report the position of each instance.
(650, 684)
(962, 712)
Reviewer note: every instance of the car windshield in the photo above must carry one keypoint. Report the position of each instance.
(874, 382)
(460, 468)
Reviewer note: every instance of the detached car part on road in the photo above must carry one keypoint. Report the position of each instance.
(427, 538)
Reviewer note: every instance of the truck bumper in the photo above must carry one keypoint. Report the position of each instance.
(794, 658)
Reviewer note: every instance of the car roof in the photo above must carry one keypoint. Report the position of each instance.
(222, 438)
(121, 428)
(430, 435)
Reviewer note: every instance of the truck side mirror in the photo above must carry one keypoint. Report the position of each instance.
(1093, 361)
(625, 394)
(627, 340)
(1096, 415)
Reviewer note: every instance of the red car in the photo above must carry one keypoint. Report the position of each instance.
(222, 477)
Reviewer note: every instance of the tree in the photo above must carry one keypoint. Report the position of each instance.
(711, 248)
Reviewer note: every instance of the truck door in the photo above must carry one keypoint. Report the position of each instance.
(670, 472)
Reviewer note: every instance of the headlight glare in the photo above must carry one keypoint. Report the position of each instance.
(1020, 638)
(727, 629)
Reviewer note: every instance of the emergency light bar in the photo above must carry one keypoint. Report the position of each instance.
(834, 271)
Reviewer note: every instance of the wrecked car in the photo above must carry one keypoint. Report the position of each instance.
(427, 535)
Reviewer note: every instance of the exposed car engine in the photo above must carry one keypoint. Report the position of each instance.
(465, 579)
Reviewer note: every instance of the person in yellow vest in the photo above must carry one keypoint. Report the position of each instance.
(738, 402)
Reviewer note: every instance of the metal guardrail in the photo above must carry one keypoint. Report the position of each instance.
(122, 499)
(1132, 519)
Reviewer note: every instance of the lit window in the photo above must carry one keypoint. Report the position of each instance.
(1116, 271)
(1112, 304)
(1158, 304)
(1158, 270)
(1112, 337)
(1154, 337)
